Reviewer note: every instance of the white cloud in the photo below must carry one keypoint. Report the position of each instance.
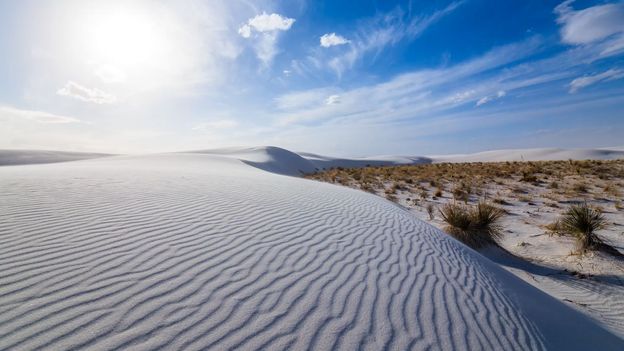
(267, 26)
(484, 100)
(591, 24)
(266, 23)
(77, 91)
(332, 100)
(428, 92)
(583, 82)
(110, 74)
(331, 39)
(245, 31)
(37, 116)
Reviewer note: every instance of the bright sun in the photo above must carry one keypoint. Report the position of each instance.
(138, 45)
(125, 38)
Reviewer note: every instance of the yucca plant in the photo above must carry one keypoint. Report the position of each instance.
(582, 221)
(476, 226)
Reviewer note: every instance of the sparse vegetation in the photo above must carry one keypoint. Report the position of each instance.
(528, 189)
(476, 226)
(582, 221)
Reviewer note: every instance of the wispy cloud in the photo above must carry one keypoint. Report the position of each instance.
(36, 116)
(430, 92)
(332, 100)
(332, 39)
(386, 30)
(484, 100)
(582, 82)
(266, 27)
(79, 92)
(591, 24)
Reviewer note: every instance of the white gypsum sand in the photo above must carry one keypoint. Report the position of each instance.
(534, 196)
(197, 251)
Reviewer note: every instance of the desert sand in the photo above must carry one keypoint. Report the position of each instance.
(221, 250)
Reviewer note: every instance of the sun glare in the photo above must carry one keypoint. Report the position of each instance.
(124, 38)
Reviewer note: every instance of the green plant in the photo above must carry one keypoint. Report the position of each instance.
(476, 226)
(582, 221)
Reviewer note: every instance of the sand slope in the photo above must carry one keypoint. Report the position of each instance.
(197, 251)
(24, 157)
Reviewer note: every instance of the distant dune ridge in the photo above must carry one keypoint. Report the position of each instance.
(25, 157)
(200, 251)
(283, 161)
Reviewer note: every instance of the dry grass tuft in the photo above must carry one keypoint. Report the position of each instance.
(476, 226)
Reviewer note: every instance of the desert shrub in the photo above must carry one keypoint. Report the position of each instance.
(528, 177)
(431, 211)
(460, 194)
(582, 221)
(554, 228)
(580, 187)
(367, 187)
(611, 189)
(476, 226)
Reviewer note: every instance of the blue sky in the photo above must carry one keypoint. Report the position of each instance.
(337, 77)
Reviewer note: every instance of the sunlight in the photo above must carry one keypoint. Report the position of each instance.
(125, 38)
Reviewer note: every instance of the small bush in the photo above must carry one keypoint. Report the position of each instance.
(431, 211)
(476, 226)
(554, 228)
(582, 221)
(438, 193)
(580, 187)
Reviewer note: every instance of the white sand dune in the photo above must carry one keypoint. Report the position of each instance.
(24, 157)
(286, 162)
(282, 161)
(546, 154)
(202, 251)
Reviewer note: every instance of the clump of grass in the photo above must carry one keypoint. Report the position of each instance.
(582, 221)
(430, 211)
(528, 177)
(580, 187)
(460, 194)
(476, 226)
(438, 193)
(554, 228)
(391, 197)
(612, 190)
